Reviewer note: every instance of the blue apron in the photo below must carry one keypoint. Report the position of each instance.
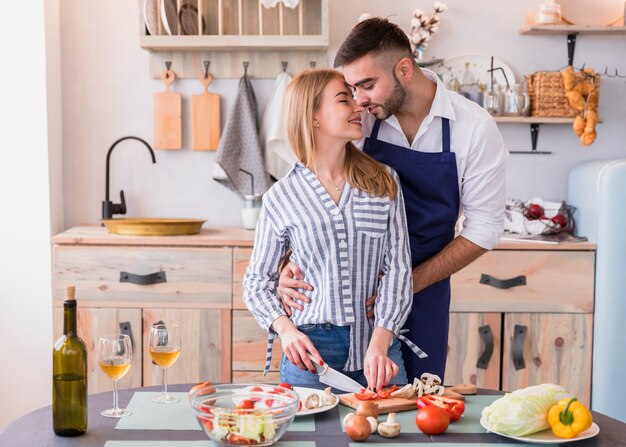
(430, 186)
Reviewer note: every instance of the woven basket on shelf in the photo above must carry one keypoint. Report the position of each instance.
(547, 95)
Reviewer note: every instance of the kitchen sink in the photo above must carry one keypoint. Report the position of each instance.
(153, 226)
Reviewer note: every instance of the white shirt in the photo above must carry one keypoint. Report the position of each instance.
(480, 157)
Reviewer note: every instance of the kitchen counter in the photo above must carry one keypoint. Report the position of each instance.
(239, 237)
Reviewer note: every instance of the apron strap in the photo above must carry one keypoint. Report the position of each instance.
(374, 134)
(421, 354)
(445, 134)
(268, 354)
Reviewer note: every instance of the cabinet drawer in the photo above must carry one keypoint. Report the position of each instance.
(250, 343)
(256, 377)
(194, 277)
(555, 281)
(241, 259)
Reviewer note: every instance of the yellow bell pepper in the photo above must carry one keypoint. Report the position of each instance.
(568, 418)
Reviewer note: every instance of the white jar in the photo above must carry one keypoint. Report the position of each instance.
(549, 13)
(251, 210)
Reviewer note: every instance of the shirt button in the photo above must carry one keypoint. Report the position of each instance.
(336, 212)
(343, 243)
(344, 272)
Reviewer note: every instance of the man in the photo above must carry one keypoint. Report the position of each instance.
(448, 153)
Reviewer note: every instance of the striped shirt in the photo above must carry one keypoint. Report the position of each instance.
(341, 249)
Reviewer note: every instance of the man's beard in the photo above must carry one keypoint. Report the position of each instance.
(395, 100)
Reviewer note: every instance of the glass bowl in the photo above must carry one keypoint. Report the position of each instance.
(250, 414)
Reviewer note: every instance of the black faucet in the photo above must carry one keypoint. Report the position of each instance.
(109, 208)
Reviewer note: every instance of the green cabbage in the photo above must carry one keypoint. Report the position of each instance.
(523, 411)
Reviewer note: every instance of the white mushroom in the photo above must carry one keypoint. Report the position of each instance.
(406, 391)
(313, 401)
(390, 428)
(328, 398)
(373, 423)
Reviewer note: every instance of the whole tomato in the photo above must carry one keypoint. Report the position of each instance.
(560, 219)
(534, 211)
(432, 420)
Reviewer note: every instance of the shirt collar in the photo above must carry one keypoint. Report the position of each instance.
(442, 104)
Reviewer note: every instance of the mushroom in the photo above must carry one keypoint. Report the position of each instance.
(389, 428)
(358, 428)
(313, 401)
(328, 398)
(373, 423)
(406, 391)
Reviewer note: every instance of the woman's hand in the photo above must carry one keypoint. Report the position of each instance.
(379, 369)
(296, 345)
(291, 278)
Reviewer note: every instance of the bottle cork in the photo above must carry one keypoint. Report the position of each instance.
(70, 292)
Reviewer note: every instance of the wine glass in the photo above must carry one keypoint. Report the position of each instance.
(115, 354)
(164, 350)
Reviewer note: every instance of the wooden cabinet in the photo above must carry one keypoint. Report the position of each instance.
(538, 306)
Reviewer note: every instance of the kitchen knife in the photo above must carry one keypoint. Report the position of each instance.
(334, 378)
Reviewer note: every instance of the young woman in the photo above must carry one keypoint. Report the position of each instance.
(342, 216)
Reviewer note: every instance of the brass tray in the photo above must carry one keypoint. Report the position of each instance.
(153, 226)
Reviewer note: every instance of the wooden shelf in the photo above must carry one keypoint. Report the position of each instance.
(535, 120)
(571, 29)
(230, 43)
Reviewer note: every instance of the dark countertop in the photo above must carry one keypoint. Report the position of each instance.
(35, 429)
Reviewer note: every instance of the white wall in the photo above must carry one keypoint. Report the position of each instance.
(25, 222)
(108, 94)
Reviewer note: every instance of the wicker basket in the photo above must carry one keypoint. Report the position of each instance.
(547, 95)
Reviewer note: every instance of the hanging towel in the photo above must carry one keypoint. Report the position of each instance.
(240, 146)
(279, 157)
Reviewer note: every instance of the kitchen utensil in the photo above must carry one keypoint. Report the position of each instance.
(479, 64)
(169, 16)
(205, 117)
(334, 378)
(188, 17)
(168, 115)
(516, 101)
(153, 226)
(546, 436)
(151, 16)
(389, 405)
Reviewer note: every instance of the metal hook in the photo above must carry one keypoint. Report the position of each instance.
(206, 69)
(168, 64)
(312, 64)
(245, 68)
(284, 64)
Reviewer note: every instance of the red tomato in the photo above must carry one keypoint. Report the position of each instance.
(365, 395)
(234, 439)
(453, 407)
(256, 388)
(432, 420)
(245, 405)
(286, 385)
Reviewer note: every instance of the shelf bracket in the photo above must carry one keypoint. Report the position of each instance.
(534, 135)
(571, 47)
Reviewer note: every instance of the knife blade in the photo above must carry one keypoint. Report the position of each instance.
(334, 378)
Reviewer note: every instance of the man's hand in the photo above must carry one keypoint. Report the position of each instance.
(296, 345)
(371, 301)
(291, 278)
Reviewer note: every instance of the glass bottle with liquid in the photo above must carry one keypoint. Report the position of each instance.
(69, 375)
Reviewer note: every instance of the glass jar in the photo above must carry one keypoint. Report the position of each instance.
(516, 101)
(493, 100)
(549, 13)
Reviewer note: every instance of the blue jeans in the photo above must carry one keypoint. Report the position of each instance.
(333, 342)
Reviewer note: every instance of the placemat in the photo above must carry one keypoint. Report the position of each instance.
(206, 443)
(469, 422)
(437, 444)
(147, 415)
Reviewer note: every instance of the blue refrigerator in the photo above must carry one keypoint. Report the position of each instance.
(598, 191)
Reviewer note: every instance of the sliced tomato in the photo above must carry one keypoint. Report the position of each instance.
(246, 404)
(256, 388)
(286, 385)
(269, 403)
(238, 440)
(365, 394)
(383, 394)
(453, 407)
(208, 424)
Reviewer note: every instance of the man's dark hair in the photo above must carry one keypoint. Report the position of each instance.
(375, 35)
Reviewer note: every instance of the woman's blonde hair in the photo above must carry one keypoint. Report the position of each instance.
(302, 100)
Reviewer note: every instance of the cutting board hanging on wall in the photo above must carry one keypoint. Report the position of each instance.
(168, 108)
(205, 117)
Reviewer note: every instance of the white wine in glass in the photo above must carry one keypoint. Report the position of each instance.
(115, 355)
(164, 350)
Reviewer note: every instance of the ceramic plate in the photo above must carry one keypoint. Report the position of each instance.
(151, 16)
(189, 20)
(306, 392)
(546, 436)
(169, 17)
(479, 65)
(592, 12)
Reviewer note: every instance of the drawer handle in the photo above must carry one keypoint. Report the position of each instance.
(517, 351)
(502, 283)
(487, 337)
(143, 280)
(126, 330)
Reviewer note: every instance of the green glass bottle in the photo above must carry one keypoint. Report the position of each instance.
(69, 375)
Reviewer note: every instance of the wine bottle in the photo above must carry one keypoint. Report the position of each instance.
(69, 375)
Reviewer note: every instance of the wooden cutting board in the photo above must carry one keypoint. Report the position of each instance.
(390, 405)
(168, 108)
(205, 118)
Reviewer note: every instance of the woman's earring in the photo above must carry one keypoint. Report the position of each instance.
(316, 124)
